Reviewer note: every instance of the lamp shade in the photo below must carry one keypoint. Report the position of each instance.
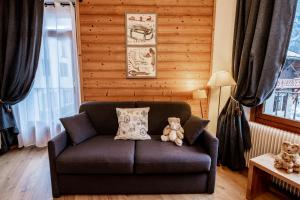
(221, 78)
(199, 94)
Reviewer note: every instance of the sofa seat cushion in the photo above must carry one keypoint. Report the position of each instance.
(98, 155)
(155, 156)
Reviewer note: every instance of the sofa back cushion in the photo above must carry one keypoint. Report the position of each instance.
(160, 111)
(103, 115)
(104, 118)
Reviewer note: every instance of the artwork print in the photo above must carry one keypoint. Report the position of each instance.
(141, 29)
(141, 62)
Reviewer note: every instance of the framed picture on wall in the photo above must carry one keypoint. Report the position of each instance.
(140, 29)
(141, 62)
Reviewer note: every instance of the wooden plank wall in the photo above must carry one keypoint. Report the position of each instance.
(184, 48)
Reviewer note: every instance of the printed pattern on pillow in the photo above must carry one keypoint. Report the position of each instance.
(133, 124)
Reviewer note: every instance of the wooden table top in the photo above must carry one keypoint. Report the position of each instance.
(266, 163)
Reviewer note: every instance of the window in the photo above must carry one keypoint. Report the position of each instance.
(285, 100)
(54, 93)
(282, 108)
(63, 69)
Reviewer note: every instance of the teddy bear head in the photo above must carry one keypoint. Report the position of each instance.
(174, 123)
(288, 157)
(290, 148)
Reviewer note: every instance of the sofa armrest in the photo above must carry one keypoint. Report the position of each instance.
(210, 144)
(55, 147)
(57, 144)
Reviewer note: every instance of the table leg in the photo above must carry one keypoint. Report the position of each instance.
(258, 182)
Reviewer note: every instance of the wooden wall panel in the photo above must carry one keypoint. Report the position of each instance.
(184, 46)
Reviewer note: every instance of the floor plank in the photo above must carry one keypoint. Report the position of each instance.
(24, 175)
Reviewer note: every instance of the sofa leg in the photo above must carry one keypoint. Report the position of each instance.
(210, 191)
(55, 194)
(55, 191)
(210, 188)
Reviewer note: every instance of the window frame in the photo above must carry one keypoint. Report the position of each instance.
(257, 115)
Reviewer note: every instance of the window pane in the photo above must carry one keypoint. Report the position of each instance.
(285, 100)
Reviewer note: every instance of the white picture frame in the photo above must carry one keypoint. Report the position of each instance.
(141, 29)
(141, 62)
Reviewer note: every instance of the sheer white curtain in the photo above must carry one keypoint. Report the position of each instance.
(55, 92)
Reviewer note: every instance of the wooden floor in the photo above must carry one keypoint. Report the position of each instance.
(24, 175)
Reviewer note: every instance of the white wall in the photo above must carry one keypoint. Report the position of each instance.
(222, 54)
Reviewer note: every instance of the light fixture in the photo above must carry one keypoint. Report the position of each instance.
(200, 94)
(220, 79)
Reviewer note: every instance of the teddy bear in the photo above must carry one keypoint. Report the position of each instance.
(173, 132)
(286, 162)
(296, 168)
(288, 158)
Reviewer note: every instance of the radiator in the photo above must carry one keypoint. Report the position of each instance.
(266, 139)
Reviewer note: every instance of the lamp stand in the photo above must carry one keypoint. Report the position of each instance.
(220, 91)
(201, 109)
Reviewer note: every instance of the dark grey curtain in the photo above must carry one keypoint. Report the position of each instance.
(262, 32)
(20, 39)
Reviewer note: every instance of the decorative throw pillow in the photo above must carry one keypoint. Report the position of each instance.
(193, 128)
(133, 124)
(79, 127)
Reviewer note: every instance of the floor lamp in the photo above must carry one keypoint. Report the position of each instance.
(200, 94)
(220, 79)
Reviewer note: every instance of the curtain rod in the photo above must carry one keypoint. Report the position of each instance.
(61, 3)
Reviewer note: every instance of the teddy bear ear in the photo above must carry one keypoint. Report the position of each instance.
(286, 143)
(296, 146)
